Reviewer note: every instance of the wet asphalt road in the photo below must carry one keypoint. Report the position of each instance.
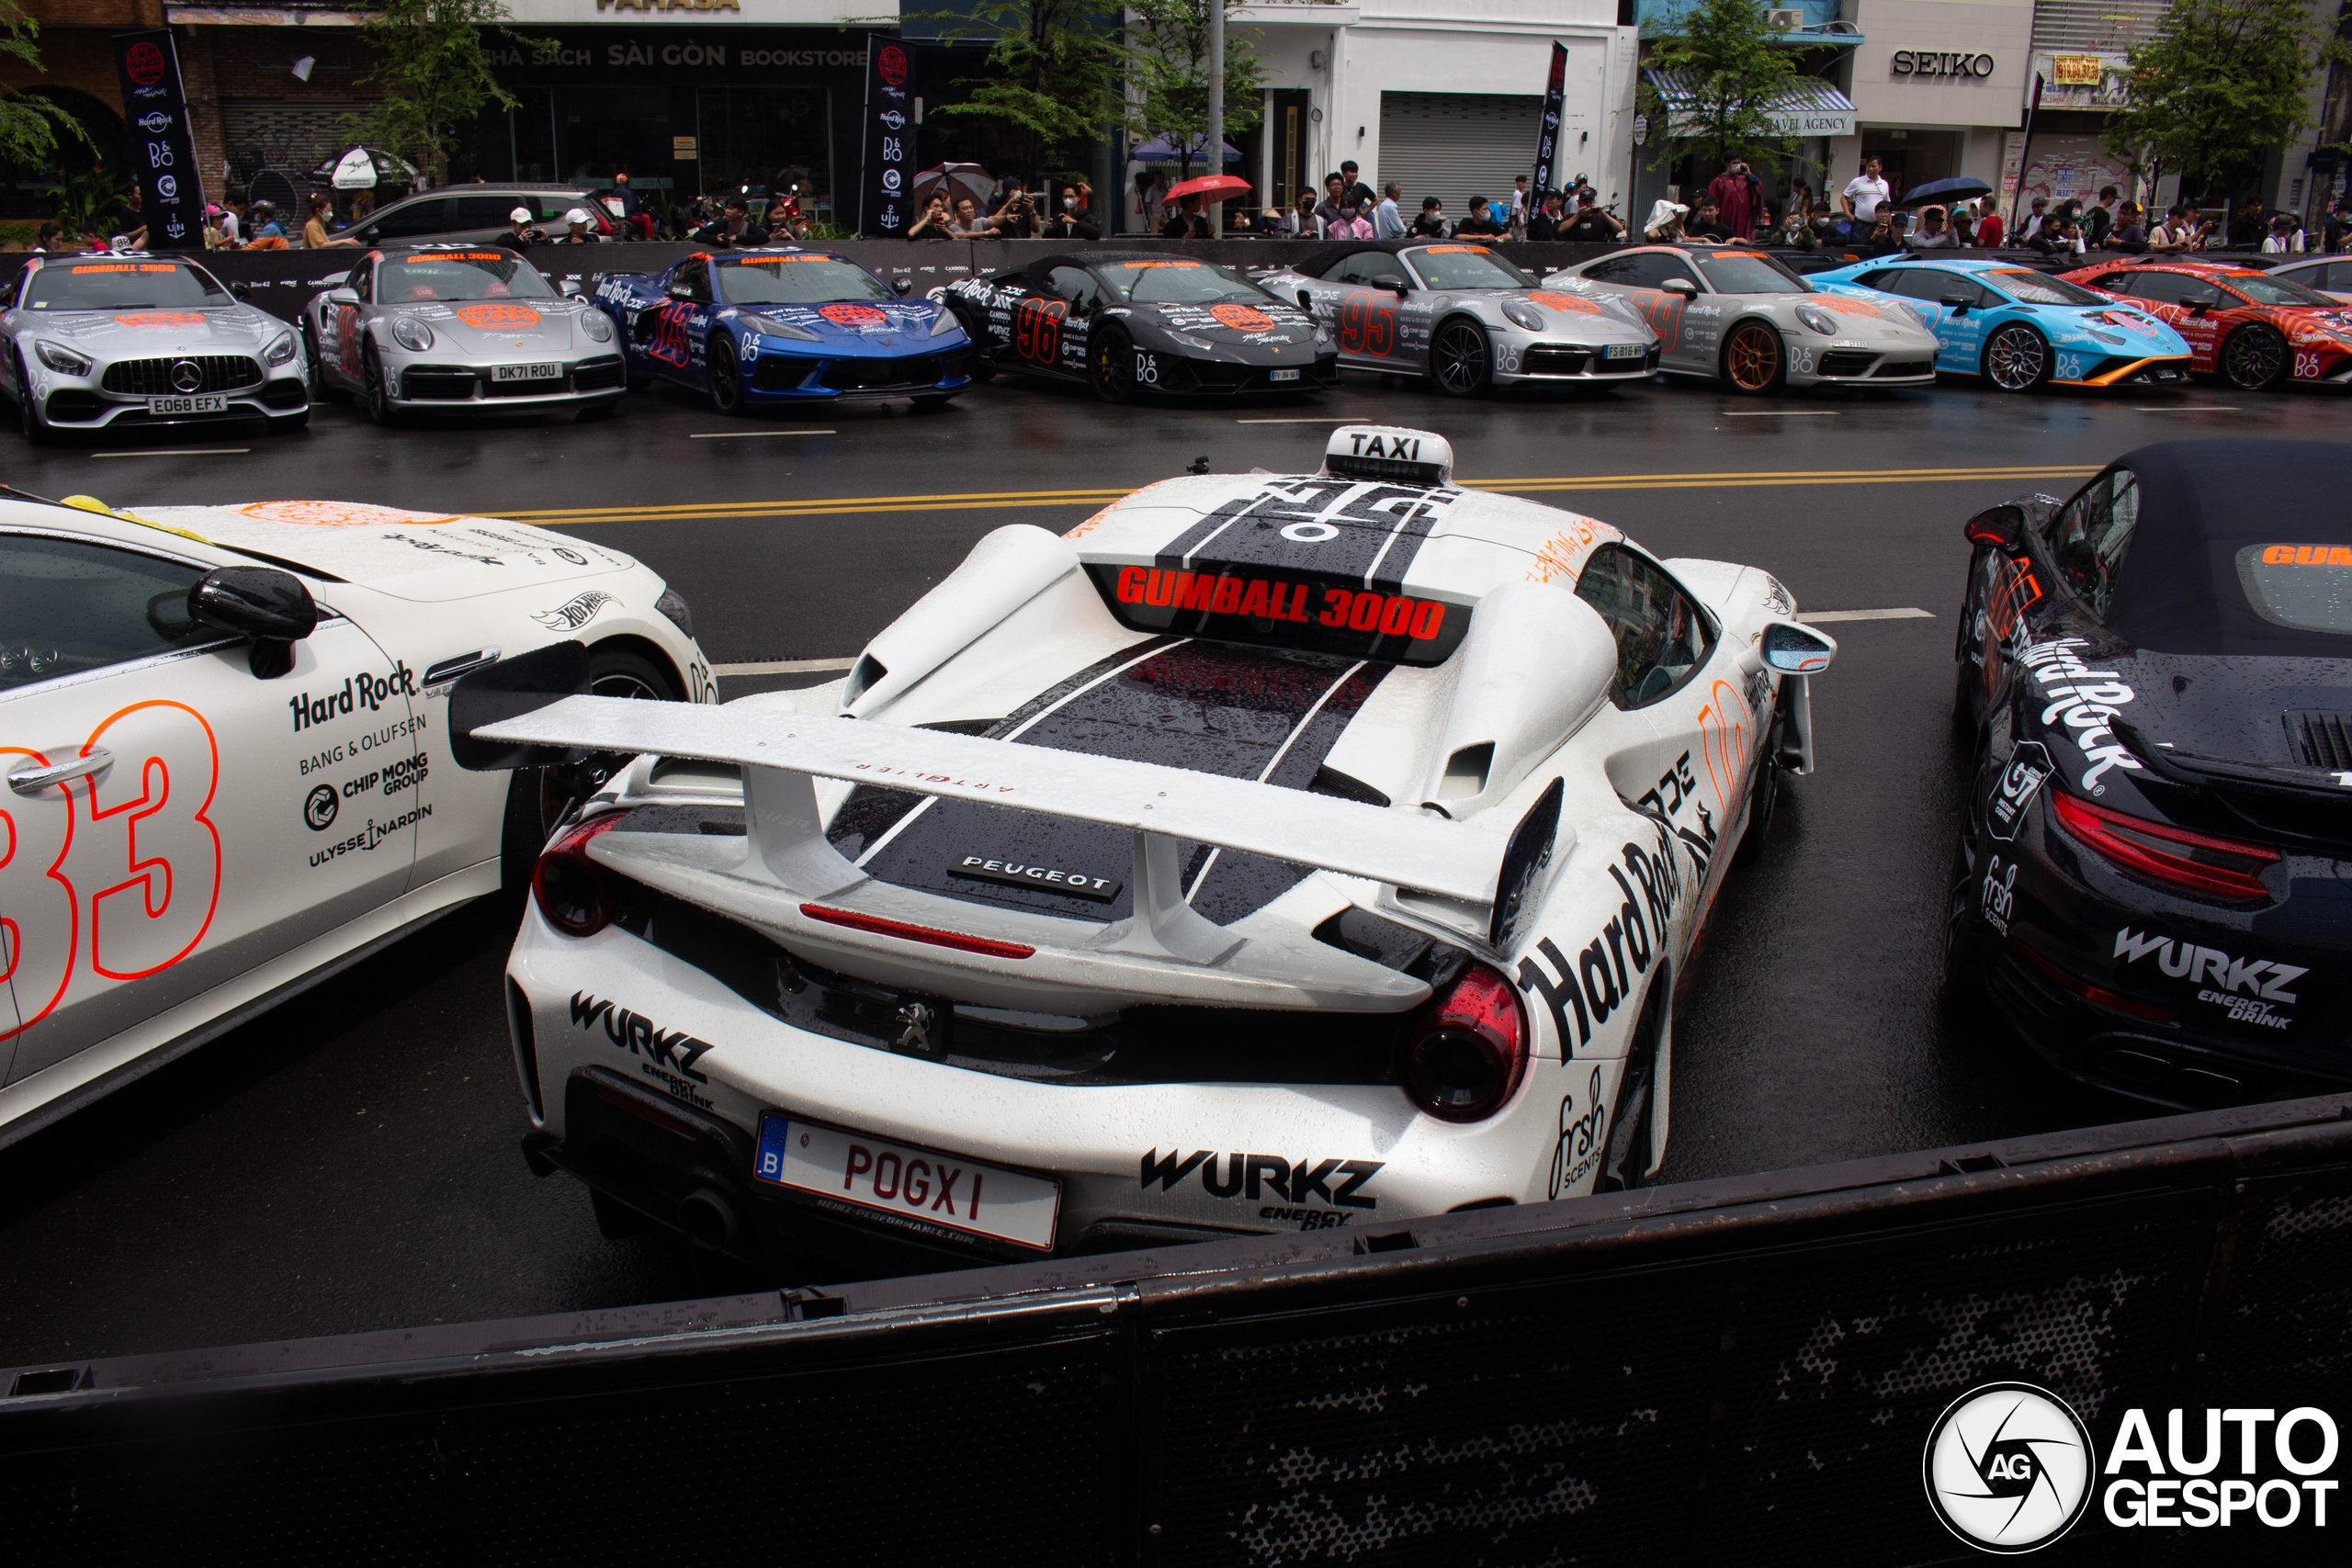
(349, 1162)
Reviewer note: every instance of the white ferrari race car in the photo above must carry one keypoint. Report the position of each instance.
(224, 735)
(1266, 853)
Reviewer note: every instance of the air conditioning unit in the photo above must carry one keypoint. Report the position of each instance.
(1785, 20)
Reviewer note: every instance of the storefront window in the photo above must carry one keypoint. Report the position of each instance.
(769, 139)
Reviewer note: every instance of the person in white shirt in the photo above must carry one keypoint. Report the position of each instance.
(1864, 192)
(1387, 224)
(2035, 218)
(1518, 207)
(2286, 237)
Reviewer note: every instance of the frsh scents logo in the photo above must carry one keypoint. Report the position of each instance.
(2009, 1467)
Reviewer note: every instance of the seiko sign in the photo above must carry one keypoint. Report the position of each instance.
(1940, 62)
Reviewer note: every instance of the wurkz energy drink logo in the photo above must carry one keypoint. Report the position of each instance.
(2009, 1468)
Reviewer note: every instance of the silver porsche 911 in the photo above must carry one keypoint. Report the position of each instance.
(1740, 318)
(460, 330)
(114, 340)
(1464, 316)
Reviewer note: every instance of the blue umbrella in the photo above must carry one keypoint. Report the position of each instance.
(1162, 150)
(1944, 191)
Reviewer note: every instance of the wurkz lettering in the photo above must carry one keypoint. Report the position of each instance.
(2247, 986)
(2083, 700)
(1336, 1181)
(664, 1051)
(371, 691)
(1599, 979)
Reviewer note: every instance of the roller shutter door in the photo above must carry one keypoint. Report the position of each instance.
(1455, 145)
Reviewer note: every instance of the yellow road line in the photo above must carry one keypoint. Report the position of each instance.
(984, 501)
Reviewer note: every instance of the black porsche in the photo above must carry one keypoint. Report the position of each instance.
(1133, 321)
(2154, 879)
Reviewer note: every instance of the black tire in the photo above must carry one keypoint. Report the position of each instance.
(2017, 359)
(1461, 359)
(30, 424)
(1960, 988)
(1755, 360)
(933, 402)
(1111, 366)
(1625, 1164)
(538, 797)
(310, 356)
(2255, 359)
(1763, 796)
(726, 378)
(375, 392)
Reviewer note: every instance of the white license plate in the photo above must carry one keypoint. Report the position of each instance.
(1623, 351)
(1282, 375)
(920, 1187)
(528, 373)
(205, 402)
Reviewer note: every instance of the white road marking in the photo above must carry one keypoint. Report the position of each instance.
(1319, 419)
(2181, 408)
(739, 435)
(781, 666)
(1820, 616)
(182, 452)
(1782, 413)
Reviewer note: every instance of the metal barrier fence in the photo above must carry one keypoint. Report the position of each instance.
(1740, 1371)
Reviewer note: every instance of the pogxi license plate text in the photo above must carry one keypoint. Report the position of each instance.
(916, 1187)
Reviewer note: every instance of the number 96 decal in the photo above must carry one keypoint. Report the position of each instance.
(1146, 367)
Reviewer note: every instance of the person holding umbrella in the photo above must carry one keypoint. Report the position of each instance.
(1208, 187)
(1188, 223)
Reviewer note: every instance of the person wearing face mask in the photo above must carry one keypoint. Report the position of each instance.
(1734, 193)
(1069, 220)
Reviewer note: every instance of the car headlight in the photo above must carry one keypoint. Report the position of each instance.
(2117, 339)
(672, 604)
(60, 358)
(1918, 314)
(280, 352)
(945, 323)
(411, 334)
(787, 329)
(1817, 320)
(1522, 314)
(597, 326)
(1184, 341)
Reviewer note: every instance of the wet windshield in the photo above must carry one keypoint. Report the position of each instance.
(2308, 587)
(796, 280)
(459, 275)
(1466, 267)
(1747, 272)
(1183, 283)
(123, 285)
(2279, 291)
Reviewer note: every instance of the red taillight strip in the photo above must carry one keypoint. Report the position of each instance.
(881, 927)
(2098, 993)
(667, 1123)
(2104, 831)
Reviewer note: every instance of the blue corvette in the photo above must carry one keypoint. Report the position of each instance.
(756, 328)
(2020, 329)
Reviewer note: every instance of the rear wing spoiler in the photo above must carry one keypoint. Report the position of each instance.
(782, 754)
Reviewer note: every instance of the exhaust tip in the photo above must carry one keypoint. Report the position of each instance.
(707, 1216)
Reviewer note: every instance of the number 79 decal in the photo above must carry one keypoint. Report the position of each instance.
(138, 833)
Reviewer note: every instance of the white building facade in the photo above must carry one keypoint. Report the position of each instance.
(1937, 85)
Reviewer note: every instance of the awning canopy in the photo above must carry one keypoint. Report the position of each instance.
(1810, 107)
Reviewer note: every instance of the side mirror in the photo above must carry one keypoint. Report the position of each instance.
(1957, 303)
(344, 295)
(239, 291)
(270, 606)
(2003, 527)
(1682, 286)
(2199, 307)
(902, 287)
(1402, 289)
(1796, 649)
(509, 689)
(1306, 302)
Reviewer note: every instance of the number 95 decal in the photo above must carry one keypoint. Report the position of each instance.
(1146, 367)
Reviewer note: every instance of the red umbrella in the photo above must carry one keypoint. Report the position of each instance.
(1223, 187)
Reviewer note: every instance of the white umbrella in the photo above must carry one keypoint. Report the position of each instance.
(961, 180)
(363, 169)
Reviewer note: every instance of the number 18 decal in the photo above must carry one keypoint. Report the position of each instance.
(135, 836)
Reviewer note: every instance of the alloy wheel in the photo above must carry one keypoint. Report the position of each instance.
(2016, 359)
(1114, 367)
(2255, 357)
(726, 378)
(1754, 358)
(1461, 359)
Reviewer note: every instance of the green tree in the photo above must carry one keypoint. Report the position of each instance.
(435, 71)
(1168, 75)
(1720, 52)
(2221, 83)
(28, 124)
(1054, 71)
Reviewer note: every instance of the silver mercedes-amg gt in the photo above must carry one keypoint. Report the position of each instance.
(461, 330)
(111, 340)
(1464, 316)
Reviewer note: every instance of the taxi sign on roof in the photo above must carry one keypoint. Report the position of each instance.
(1388, 452)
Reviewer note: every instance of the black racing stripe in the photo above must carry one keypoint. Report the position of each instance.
(1338, 528)
(1211, 707)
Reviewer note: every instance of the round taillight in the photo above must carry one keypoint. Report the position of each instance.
(1468, 1051)
(578, 896)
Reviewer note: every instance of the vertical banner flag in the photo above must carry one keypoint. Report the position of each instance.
(1547, 148)
(2025, 159)
(162, 155)
(885, 208)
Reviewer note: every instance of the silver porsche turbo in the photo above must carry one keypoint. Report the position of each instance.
(117, 339)
(1464, 316)
(460, 330)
